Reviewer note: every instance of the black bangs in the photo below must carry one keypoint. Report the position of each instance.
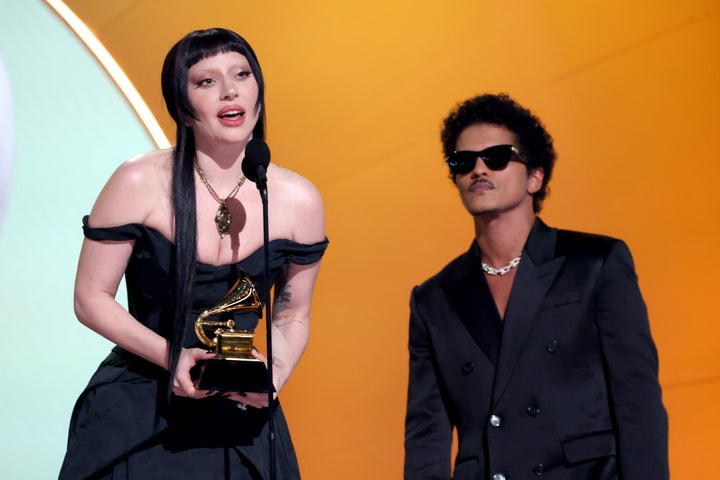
(213, 42)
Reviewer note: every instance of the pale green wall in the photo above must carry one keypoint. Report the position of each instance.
(72, 129)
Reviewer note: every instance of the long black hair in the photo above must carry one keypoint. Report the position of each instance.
(192, 48)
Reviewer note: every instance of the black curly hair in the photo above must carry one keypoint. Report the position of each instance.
(534, 141)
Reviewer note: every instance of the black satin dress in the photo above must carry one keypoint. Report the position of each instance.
(121, 427)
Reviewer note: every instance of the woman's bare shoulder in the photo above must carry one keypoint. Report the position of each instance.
(145, 166)
(292, 184)
(135, 190)
(300, 202)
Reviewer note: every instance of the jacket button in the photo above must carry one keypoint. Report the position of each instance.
(498, 476)
(533, 410)
(495, 420)
(552, 347)
(539, 470)
(468, 367)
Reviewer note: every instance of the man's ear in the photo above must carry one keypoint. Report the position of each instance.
(535, 180)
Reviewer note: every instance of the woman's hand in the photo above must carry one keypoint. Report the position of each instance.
(183, 385)
(251, 399)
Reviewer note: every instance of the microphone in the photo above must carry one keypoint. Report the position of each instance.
(257, 158)
(254, 166)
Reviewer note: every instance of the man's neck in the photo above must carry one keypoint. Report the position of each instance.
(502, 237)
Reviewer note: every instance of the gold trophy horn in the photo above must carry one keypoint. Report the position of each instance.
(233, 368)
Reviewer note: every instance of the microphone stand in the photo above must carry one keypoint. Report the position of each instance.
(262, 187)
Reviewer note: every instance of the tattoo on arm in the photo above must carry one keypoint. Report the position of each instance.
(283, 299)
(287, 322)
(282, 303)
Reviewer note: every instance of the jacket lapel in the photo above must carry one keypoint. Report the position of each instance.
(536, 273)
(469, 295)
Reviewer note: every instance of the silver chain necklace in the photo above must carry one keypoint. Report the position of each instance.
(502, 270)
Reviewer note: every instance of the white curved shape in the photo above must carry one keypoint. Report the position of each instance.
(114, 70)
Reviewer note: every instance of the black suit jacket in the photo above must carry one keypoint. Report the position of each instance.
(565, 387)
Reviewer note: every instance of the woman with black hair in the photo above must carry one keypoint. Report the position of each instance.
(182, 226)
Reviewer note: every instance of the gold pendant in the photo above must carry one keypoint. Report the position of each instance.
(223, 219)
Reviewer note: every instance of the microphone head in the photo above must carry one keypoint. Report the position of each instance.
(257, 154)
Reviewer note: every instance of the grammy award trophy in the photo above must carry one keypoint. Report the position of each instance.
(233, 368)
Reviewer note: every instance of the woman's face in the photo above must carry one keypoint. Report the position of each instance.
(223, 93)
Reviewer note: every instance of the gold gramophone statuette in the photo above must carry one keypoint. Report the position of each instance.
(233, 368)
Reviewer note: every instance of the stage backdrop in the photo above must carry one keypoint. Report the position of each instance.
(356, 92)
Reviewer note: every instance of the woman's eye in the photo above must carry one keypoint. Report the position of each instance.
(204, 82)
(244, 73)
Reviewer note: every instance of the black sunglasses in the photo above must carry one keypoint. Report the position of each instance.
(496, 158)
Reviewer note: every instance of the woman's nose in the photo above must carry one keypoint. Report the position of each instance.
(229, 92)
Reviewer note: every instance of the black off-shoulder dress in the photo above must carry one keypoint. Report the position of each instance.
(121, 426)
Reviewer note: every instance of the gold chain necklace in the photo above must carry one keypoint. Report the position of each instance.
(223, 219)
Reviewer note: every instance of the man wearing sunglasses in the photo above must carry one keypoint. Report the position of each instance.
(534, 346)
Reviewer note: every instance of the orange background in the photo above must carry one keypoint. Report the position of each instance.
(356, 92)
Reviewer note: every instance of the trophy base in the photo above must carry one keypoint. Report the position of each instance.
(234, 376)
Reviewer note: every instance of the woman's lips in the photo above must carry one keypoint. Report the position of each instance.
(232, 116)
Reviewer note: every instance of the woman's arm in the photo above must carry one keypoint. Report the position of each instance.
(299, 208)
(291, 320)
(126, 198)
(100, 269)
(294, 291)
